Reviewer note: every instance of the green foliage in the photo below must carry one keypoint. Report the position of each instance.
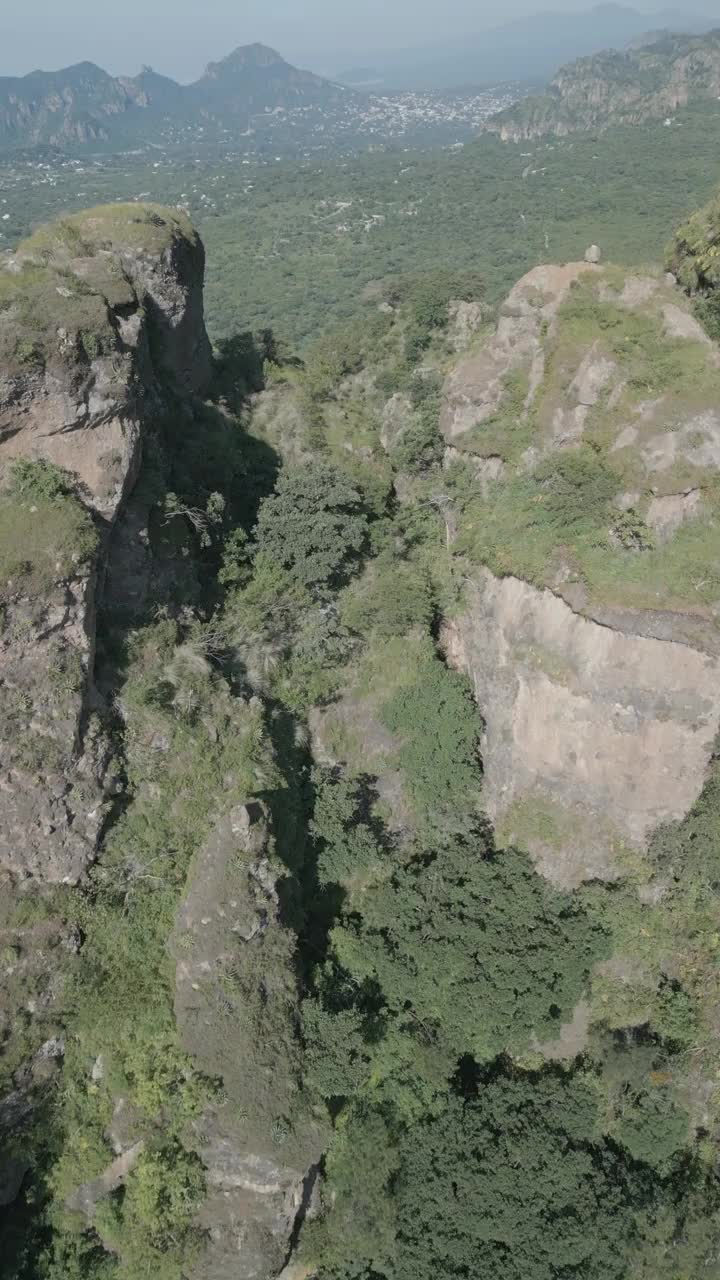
(38, 480)
(642, 1111)
(45, 533)
(314, 526)
(420, 446)
(694, 255)
(438, 726)
(350, 846)
(428, 297)
(394, 596)
(419, 974)
(433, 938)
(568, 498)
(510, 1184)
(358, 1237)
(154, 1223)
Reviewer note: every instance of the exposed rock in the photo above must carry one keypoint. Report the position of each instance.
(618, 87)
(593, 254)
(87, 1197)
(696, 441)
(397, 417)
(680, 324)
(476, 386)
(82, 373)
(665, 515)
(465, 318)
(235, 990)
(593, 376)
(592, 736)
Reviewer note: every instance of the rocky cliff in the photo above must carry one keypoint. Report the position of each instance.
(618, 87)
(592, 631)
(100, 321)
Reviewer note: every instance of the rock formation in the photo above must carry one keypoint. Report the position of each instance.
(235, 1004)
(101, 320)
(596, 659)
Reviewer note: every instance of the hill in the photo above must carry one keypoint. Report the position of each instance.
(616, 87)
(529, 48)
(255, 78)
(83, 104)
(252, 101)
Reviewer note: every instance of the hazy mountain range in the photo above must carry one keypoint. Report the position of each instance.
(526, 49)
(255, 92)
(616, 87)
(84, 104)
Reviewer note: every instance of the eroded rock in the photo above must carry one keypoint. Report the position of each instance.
(593, 737)
(235, 1003)
(111, 322)
(476, 386)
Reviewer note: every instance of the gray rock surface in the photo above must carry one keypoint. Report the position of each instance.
(476, 386)
(119, 315)
(235, 1002)
(592, 736)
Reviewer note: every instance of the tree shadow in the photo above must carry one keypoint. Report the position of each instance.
(307, 907)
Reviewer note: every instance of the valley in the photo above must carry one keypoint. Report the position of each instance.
(360, 675)
(294, 244)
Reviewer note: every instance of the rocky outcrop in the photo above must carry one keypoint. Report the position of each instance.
(591, 626)
(101, 321)
(235, 1002)
(592, 736)
(476, 387)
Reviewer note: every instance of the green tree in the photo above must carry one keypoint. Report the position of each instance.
(511, 1185)
(315, 526)
(428, 958)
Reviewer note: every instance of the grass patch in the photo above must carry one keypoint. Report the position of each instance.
(650, 362)
(683, 571)
(42, 543)
(522, 526)
(123, 225)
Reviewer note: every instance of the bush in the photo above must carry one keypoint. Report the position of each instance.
(438, 726)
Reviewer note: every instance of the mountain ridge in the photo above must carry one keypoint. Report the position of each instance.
(84, 104)
(616, 87)
(529, 48)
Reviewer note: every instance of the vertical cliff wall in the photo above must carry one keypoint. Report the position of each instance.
(101, 322)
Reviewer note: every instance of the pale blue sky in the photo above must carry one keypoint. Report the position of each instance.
(178, 37)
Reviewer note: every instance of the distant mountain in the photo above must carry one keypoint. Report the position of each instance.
(77, 105)
(527, 49)
(84, 105)
(613, 87)
(255, 78)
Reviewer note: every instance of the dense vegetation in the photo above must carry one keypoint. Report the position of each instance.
(288, 650)
(294, 246)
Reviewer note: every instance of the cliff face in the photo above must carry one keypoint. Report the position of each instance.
(100, 320)
(592, 634)
(618, 87)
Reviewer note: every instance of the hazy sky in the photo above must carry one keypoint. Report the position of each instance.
(179, 37)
